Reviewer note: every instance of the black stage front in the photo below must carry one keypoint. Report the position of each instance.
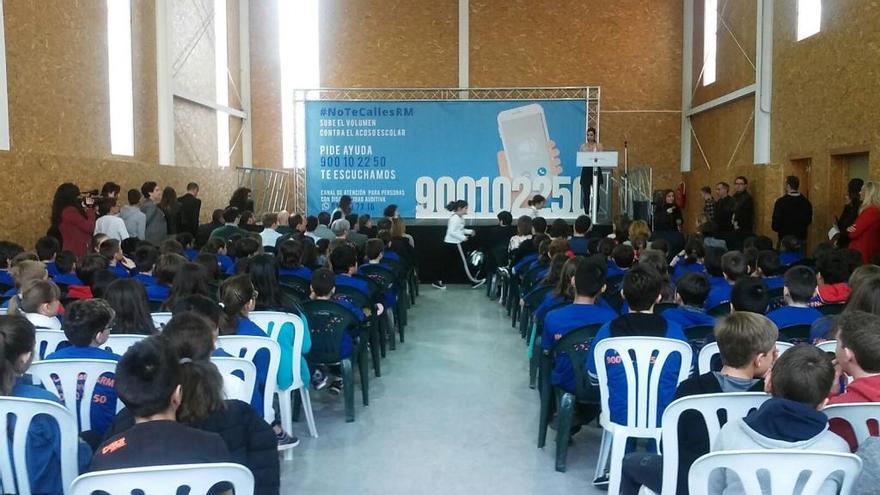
(429, 246)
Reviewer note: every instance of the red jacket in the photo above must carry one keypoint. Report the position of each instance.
(77, 230)
(866, 236)
(862, 390)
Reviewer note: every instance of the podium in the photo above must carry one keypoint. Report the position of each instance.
(597, 160)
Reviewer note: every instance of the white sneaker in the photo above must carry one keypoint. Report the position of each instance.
(439, 285)
(478, 284)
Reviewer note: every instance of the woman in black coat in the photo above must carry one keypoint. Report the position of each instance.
(850, 211)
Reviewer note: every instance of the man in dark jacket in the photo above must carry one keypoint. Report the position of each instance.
(190, 207)
(792, 213)
(725, 206)
(204, 230)
(747, 342)
(744, 213)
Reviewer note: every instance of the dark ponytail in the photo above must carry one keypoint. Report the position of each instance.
(191, 337)
(235, 293)
(455, 205)
(536, 199)
(17, 337)
(693, 251)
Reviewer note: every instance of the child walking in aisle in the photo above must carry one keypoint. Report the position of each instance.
(456, 234)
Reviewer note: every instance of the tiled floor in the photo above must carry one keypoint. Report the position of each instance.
(452, 414)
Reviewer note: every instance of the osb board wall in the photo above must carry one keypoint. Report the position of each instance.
(59, 114)
(825, 97)
(389, 43)
(265, 75)
(736, 38)
(41, 174)
(631, 48)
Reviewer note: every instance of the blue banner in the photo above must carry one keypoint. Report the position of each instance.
(422, 155)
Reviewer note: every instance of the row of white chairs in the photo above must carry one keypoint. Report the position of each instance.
(642, 359)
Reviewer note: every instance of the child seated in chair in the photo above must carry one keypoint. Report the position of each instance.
(65, 265)
(799, 288)
(799, 382)
(690, 294)
(791, 251)
(343, 260)
(734, 266)
(768, 269)
(43, 444)
(145, 258)
(641, 290)
(588, 282)
(832, 273)
(87, 327)
(149, 380)
(374, 251)
(217, 246)
(323, 289)
(40, 302)
(23, 272)
(166, 268)
(290, 257)
(857, 357)
(47, 249)
(117, 262)
(747, 343)
(622, 257)
(238, 299)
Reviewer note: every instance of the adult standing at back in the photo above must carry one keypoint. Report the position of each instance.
(241, 199)
(744, 212)
(73, 219)
(792, 213)
(864, 234)
(190, 208)
(725, 206)
(134, 218)
(156, 228)
(171, 208)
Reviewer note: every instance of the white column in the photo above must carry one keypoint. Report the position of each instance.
(763, 80)
(463, 46)
(687, 77)
(245, 56)
(4, 96)
(165, 93)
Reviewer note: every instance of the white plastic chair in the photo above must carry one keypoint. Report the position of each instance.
(67, 372)
(120, 342)
(857, 415)
(781, 467)
(160, 319)
(271, 322)
(235, 387)
(246, 347)
(51, 339)
(704, 359)
(828, 346)
(13, 448)
(165, 479)
(642, 387)
(737, 405)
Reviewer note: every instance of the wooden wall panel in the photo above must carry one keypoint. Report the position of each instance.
(737, 21)
(265, 84)
(631, 48)
(825, 97)
(389, 43)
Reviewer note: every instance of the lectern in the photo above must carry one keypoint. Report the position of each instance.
(598, 160)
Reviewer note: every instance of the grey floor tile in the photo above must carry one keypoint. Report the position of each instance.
(452, 414)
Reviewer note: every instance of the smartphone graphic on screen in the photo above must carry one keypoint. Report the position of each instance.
(524, 136)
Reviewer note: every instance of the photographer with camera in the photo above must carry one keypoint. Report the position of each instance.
(73, 218)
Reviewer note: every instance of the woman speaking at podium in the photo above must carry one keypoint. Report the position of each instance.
(587, 172)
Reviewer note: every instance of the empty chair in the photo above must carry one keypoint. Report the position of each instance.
(736, 405)
(48, 341)
(67, 373)
(643, 360)
(247, 347)
(710, 350)
(12, 444)
(120, 342)
(165, 479)
(750, 466)
(857, 415)
(235, 386)
(289, 331)
(828, 346)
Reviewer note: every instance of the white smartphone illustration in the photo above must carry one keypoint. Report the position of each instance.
(524, 136)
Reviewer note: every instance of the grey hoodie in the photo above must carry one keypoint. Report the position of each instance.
(777, 424)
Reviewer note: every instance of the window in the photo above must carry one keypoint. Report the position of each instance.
(221, 64)
(809, 18)
(119, 77)
(710, 41)
(300, 69)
